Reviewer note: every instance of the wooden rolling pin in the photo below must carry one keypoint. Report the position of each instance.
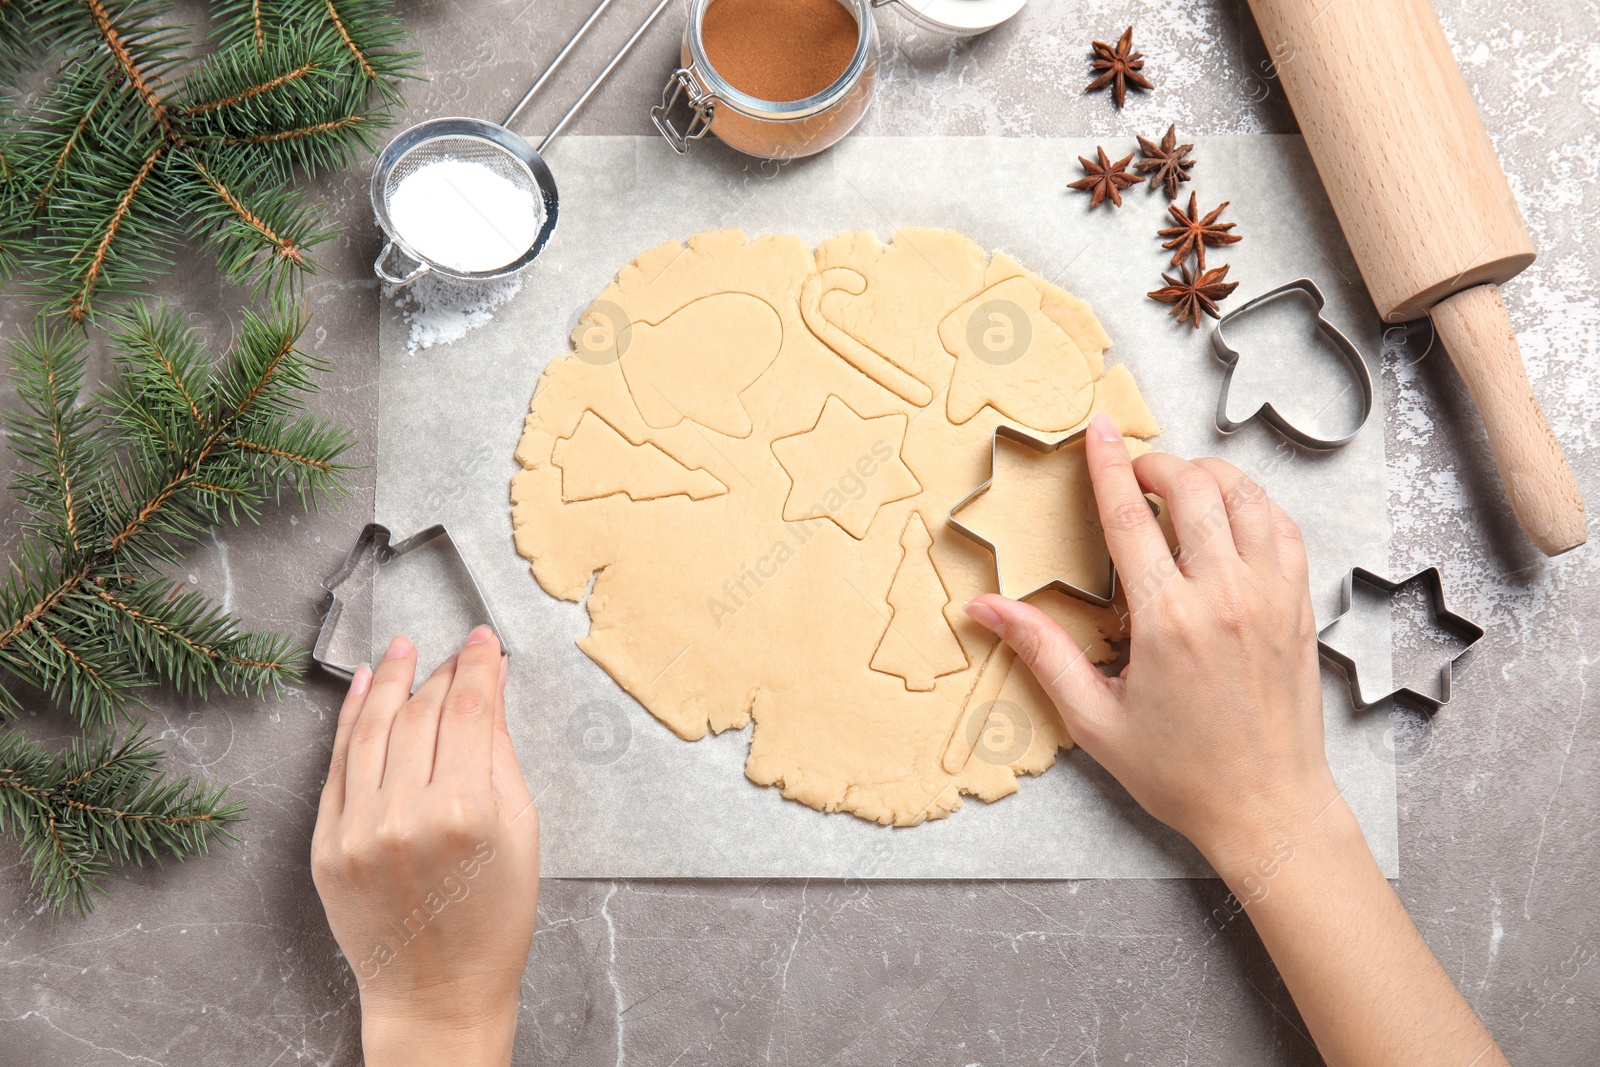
(1427, 211)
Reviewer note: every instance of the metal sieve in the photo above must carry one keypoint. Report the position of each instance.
(492, 146)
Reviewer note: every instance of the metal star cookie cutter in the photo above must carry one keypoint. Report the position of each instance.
(1464, 628)
(1228, 356)
(376, 539)
(1011, 433)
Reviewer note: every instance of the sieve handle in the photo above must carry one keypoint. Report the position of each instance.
(391, 250)
(556, 62)
(604, 74)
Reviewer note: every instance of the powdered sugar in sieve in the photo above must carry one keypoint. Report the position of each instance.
(464, 216)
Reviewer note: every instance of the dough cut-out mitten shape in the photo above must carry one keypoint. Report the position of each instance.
(1010, 356)
(597, 461)
(918, 645)
(1040, 515)
(845, 468)
(694, 363)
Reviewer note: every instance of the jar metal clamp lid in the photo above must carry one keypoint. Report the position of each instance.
(791, 129)
(771, 129)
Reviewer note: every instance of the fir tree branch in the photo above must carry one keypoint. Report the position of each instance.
(250, 92)
(142, 81)
(284, 247)
(315, 129)
(76, 811)
(54, 435)
(194, 644)
(61, 161)
(349, 42)
(103, 175)
(45, 603)
(78, 306)
(161, 364)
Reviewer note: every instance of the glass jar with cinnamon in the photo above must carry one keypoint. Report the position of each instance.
(778, 79)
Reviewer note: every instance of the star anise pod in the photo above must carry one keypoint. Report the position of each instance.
(1192, 296)
(1194, 232)
(1165, 163)
(1105, 178)
(1119, 68)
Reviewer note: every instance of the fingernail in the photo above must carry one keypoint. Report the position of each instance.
(479, 635)
(985, 616)
(1105, 427)
(398, 648)
(505, 671)
(361, 682)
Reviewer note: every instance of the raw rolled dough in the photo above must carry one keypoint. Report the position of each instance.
(754, 470)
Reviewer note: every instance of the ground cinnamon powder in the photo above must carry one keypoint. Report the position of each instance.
(779, 50)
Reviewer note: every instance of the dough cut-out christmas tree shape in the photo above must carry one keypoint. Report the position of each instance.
(1010, 356)
(694, 363)
(918, 646)
(597, 461)
(1038, 514)
(845, 468)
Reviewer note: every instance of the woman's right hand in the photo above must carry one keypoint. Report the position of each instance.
(1215, 725)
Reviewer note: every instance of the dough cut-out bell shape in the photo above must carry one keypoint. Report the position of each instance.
(1059, 547)
(1359, 380)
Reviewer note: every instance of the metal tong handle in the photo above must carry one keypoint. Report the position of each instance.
(594, 85)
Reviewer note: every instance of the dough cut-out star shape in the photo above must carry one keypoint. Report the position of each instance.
(1058, 546)
(845, 468)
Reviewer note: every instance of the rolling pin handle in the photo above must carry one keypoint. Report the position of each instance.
(1476, 330)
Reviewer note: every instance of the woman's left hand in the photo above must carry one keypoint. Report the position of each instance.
(426, 856)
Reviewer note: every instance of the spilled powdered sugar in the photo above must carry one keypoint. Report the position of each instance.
(438, 310)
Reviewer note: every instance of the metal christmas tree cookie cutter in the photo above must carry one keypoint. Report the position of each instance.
(1046, 447)
(1228, 356)
(376, 539)
(1467, 630)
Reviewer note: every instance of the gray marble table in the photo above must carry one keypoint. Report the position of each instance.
(227, 960)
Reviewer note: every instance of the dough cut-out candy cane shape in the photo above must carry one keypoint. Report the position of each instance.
(873, 364)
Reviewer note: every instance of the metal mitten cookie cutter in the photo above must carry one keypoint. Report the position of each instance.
(376, 540)
(1011, 433)
(1467, 630)
(1228, 356)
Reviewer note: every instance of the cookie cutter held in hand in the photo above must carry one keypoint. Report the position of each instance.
(376, 538)
(1228, 356)
(1467, 630)
(1046, 447)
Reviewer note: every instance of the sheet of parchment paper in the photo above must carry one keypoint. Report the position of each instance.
(622, 797)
